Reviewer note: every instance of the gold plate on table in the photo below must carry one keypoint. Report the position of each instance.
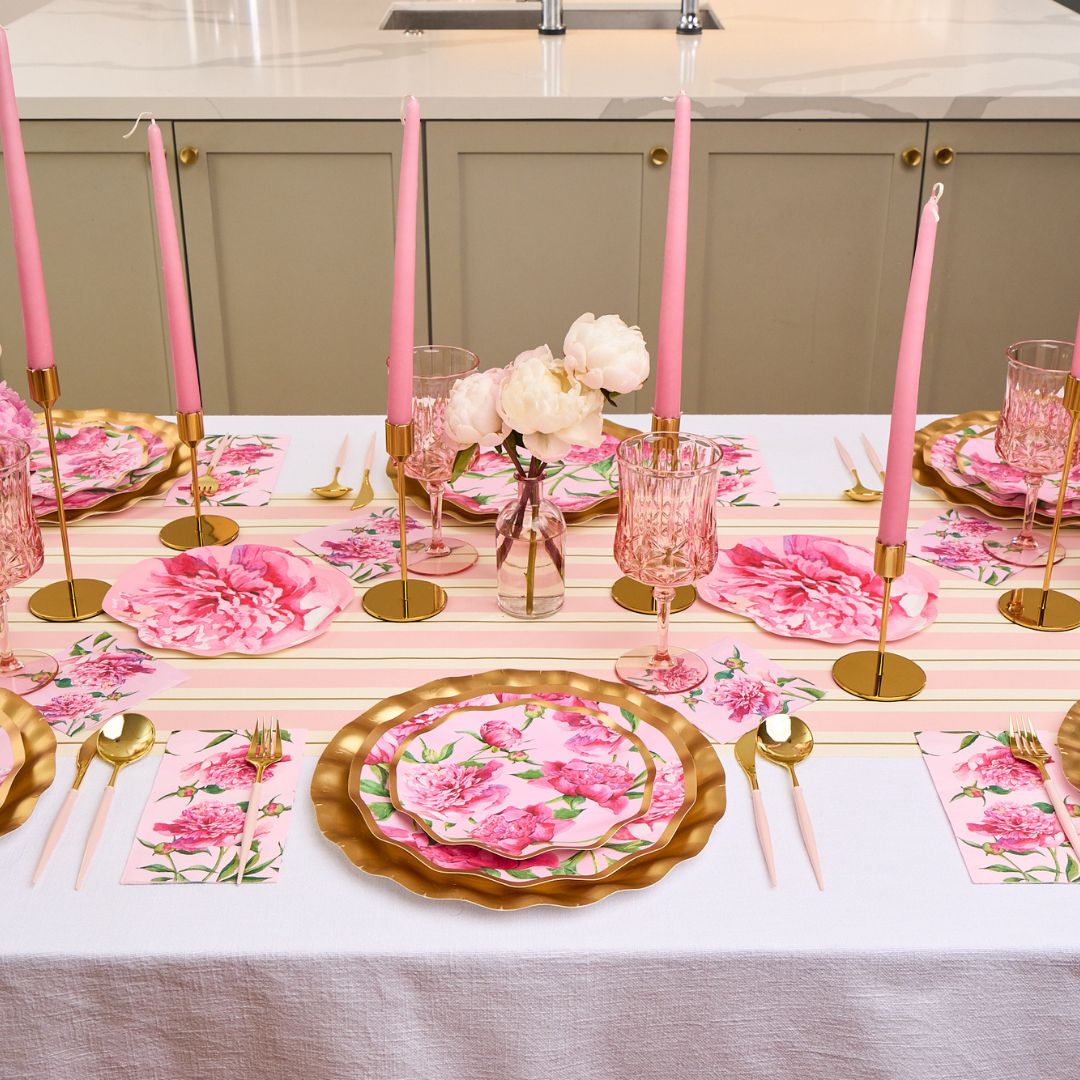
(176, 461)
(342, 823)
(415, 491)
(927, 476)
(39, 768)
(1068, 743)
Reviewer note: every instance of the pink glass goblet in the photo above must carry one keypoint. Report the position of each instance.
(22, 555)
(1031, 435)
(436, 368)
(666, 537)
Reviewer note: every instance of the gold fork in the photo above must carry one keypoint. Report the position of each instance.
(1025, 746)
(264, 750)
(208, 482)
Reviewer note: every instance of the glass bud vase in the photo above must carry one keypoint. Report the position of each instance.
(530, 546)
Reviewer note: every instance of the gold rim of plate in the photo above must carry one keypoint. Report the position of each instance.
(927, 476)
(39, 766)
(177, 459)
(341, 821)
(1068, 743)
(18, 754)
(414, 490)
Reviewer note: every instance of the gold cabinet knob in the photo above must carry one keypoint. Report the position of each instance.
(944, 155)
(659, 155)
(189, 155)
(912, 157)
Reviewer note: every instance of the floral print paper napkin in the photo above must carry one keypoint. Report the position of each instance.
(743, 687)
(247, 471)
(954, 541)
(365, 547)
(99, 678)
(191, 828)
(744, 479)
(998, 809)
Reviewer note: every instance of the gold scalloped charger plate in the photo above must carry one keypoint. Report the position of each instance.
(416, 493)
(11, 735)
(176, 459)
(1068, 744)
(341, 821)
(927, 476)
(39, 766)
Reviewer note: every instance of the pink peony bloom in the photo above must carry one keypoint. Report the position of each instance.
(1017, 827)
(673, 677)
(383, 751)
(958, 553)
(465, 857)
(443, 789)
(360, 548)
(728, 485)
(601, 782)
(973, 526)
(240, 457)
(67, 708)
(514, 829)
(743, 696)
(228, 769)
(16, 420)
(212, 823)
(669, 790)
(108, 670)
(998, 768)
(584, 455)
(500, 733)
(590, 736)
(390, 526)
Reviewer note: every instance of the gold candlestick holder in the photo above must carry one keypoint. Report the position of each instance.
(198, 530)
(73, 599)
(1048, 609)
(631, 594)
(877, 675)
(405, 599)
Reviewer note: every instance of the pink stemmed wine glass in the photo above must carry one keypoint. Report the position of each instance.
(22, 555)
(666, 537)
(1032, 434)
(435, 370)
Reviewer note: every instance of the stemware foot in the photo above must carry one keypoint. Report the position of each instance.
(30, 671)
(682, 670)
(456, 555)
(1007, 547)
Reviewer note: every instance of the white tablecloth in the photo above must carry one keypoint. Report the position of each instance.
(900, 969)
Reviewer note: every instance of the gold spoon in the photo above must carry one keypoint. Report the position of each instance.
(334, 490)
(789, 748)
(123, 740)
(208, 482)
(364, 495)
(858, 492)
(86, 755)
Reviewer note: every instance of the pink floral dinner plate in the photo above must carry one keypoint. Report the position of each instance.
(674, 791)
(819, 588)
(977, 460)
(248, 598)
(509, 777)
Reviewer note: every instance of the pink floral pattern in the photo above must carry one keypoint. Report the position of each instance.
(247, 471)
(440, 790)
(954, 541)
(365, 547)
(744, 478)
(598, 781)
(249, 598)
(516, 828)
(818, 588)
(16, 419)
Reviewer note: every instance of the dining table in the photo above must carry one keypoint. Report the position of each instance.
(899, 968)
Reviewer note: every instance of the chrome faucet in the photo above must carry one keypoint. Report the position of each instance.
(689, 23)
(551, 17)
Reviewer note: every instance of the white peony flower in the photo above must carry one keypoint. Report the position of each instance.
(472, 415)
(606, 354)
(552, 411)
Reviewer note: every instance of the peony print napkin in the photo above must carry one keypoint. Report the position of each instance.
(742, 688)
(247, 470)
(744, 479)
(998, 810)
(191, 828)
(954, 541)
(99, 678)
(365, 547)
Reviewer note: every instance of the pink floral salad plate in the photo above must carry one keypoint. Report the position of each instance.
(978, 462)
(519, 778)
(251, 599)
(674, 790)
(818, 588)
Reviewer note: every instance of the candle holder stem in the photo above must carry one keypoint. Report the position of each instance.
(1048, 609)
(73, 599)
(880, 675)
(631, 594)
(406, 599)
(199, 530)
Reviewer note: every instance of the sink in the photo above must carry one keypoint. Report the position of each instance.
(522, 16)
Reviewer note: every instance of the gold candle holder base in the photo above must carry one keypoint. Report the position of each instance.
(405, 600)
(877, 675)
(1037, 609)
(198, 530)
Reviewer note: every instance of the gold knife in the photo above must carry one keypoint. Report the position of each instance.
(746, 756)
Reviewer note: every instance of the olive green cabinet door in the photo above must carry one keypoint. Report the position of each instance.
(290, 244)
(533, 223)
(1007, 264)
(800, 253)
(94, 210)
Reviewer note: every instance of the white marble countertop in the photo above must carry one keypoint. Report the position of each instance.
(326, 59)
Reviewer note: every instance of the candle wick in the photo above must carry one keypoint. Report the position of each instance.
(937, 191)
(405, 101)
(135, 126)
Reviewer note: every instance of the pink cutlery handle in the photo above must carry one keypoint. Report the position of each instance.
(55, 833)
(95, 834)
(1068, 823)
(763, 835)
(249, 830)
(807, 831)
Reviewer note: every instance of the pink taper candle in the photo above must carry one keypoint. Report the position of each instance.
(1076, 352)
(185, 370)
(35, 308)
(894, 503)
(400, 390)
(669, 344)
